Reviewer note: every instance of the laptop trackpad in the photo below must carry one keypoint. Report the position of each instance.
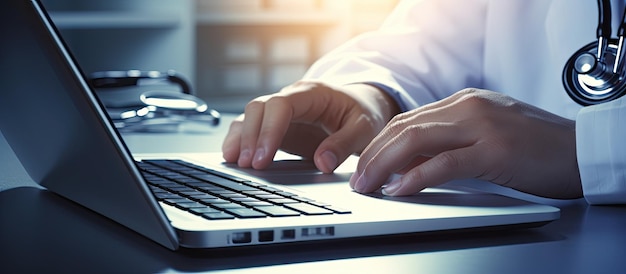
(451, 197)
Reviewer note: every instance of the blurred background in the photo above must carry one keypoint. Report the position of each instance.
(230, 50)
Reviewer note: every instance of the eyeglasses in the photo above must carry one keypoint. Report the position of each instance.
(151, 101)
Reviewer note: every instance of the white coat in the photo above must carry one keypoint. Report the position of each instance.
(429, 49)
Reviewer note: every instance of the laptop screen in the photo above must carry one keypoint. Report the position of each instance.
(58, 129)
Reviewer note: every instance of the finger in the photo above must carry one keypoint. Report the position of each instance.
(277, 116)
(431, 113)
(349, 139)
(253, 118)
(232, 141)
(423, 140)
(446, 166)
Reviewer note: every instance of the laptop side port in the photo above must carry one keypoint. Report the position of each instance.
(318, 231)
(241, 237)
(266, 236)
(288, 234)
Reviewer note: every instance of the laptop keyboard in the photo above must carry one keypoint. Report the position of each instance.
(215, 195)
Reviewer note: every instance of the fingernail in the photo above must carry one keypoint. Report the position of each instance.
(259, 155)
(392, 187)
(329, 161)
(244, 158)
(361, 183)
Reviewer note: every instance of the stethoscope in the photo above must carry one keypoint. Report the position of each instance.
(595, 73)
(158, 110)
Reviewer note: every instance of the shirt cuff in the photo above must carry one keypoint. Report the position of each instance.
(396, 95)
(601, 152)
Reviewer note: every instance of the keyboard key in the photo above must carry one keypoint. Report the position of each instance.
(157, 190)
(225, 183)
(309, 209)
(203, 210)
(318, 203)
(302, 199)
(224, 175)
(166, 195)
(257, 204)
(254, 184)
(190, 205)
(218, 216)
(270, 189)
(245, 199)
(214, 201)
(177, 200)
(179, 189)
(269, 196)
(287, 194)
(165, 184)
(233, 196)
(199, 195)
(278, 211)
(228, 206)
(197, 184)
(338, 210)
(157, 180)
(283, 201)
(191, 181)
(257, 192)
(245, 213)
(213, 188)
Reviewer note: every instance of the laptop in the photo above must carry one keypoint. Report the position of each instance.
(62, 136)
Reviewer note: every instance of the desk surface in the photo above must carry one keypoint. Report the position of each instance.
(39, 231)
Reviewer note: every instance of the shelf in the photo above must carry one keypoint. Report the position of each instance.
(267, 18)
(115, 20)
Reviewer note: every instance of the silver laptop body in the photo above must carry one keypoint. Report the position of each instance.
(63, 138)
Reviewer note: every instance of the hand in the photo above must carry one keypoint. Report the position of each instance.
(310, 119)
(473, 134)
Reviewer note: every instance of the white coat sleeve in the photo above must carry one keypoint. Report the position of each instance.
(425, 51)
(601, 152)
